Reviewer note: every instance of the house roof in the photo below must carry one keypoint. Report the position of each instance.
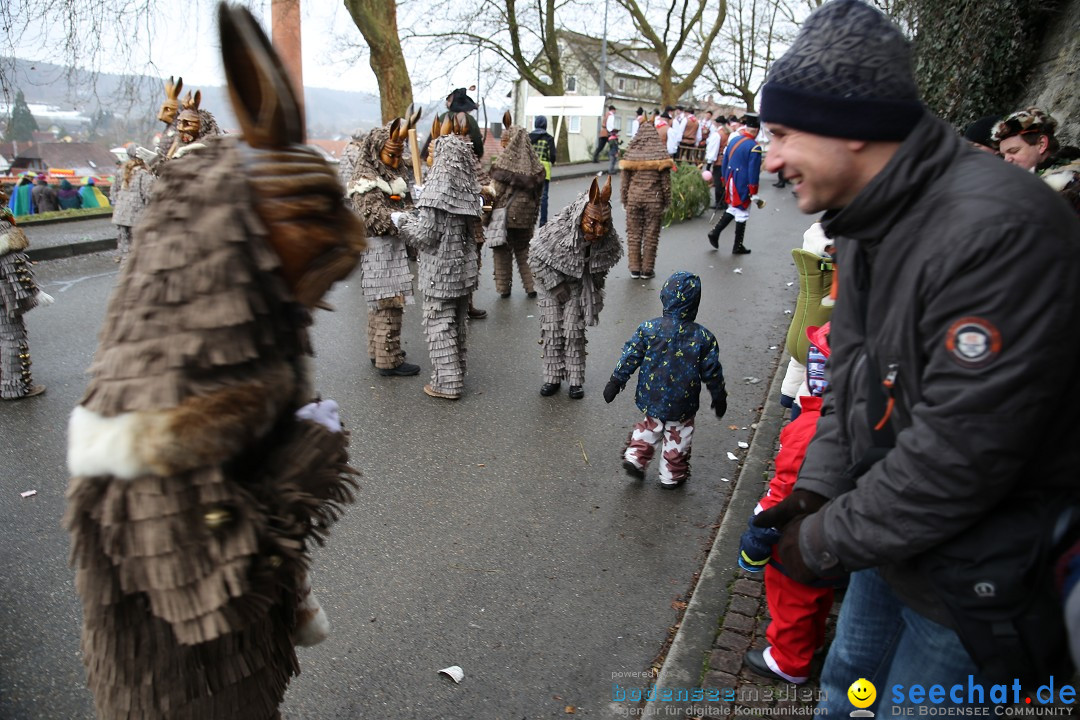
(334, 148)
(83, 157)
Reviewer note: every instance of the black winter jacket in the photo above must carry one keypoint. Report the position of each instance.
(959, 275)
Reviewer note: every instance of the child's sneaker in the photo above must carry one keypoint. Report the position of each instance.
(633, 470)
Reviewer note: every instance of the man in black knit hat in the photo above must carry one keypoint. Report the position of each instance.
(942, 462)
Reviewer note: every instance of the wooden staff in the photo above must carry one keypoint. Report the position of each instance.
(414, 151)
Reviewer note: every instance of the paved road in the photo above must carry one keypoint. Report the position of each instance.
(497, 533)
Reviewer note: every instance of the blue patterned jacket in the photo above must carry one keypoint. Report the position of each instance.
(675, 354)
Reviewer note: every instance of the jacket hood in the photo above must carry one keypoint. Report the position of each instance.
(540, 123)
(681, 295)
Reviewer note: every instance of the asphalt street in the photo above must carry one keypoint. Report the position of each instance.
(497, 533)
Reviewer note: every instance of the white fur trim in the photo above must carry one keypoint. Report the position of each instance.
(315, 630)
(99, 445)
(190, 147)
(815, 240)
(363, 185)
(398, 187)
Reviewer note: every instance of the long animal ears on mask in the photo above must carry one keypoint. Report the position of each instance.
(172, 90)
(455, 123)
(395, 133)
(268, 110)
(598, 195)
(507, 120)
(413, 119)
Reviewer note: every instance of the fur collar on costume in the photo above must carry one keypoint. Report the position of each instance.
(12, 238)
(665, 164)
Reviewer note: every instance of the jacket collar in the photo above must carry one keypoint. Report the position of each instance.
(927, 152)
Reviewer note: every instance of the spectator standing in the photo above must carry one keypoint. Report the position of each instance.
(45, 198)
(607, 126)
(544, 145)
(68, 197)
(942, 461)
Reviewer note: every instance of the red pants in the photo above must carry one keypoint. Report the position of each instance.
(798, 623)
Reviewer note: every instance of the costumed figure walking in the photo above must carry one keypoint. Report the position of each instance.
(570, 259)
(130, 197)
(519, 178)
(378, 187)
(740, 171)
(443, 230)
(186, 124)
(200, 472)
(19, 294)
(646, 194)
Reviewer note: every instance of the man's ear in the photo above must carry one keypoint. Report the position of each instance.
(1043, 144)
(855, 145)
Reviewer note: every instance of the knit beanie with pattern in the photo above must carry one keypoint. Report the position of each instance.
(848, 74)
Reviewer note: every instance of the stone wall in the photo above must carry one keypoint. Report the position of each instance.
(1055, 82)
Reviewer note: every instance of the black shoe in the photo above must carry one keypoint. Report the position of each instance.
(633, 470)
(504, 294)
(714, 238)
(576, 392)
(740, 250)
(755, 661)
(531, 294)
(477, 314)
(372, 361)
(402, 370)
(634, 275)
(648, 275)
(549, 389)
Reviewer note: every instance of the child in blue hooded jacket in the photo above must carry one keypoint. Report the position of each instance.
(676, 356)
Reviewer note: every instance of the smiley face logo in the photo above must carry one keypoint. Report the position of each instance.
(862, 693)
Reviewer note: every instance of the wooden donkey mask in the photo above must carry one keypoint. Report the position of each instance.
(596, 219)
(394, 147)
(296, 193)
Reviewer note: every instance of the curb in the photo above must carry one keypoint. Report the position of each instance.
(685, 661)
(55, 252)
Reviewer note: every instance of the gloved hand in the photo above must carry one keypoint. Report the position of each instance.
(396, 218)
(145, 154)
(756, 546)
(611, 390)
(324, 412)
(788, 553)
(45, 298)
(799, 502)
(417, 190)
(719, 404)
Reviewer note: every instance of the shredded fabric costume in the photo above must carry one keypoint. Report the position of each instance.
(200, 472)
(518, 176)
(646, 194)
(375, 191)
(130, 197)
(570, 275)
(171, 146)
(18, 296)
(443, 230)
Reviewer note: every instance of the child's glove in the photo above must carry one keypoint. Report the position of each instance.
(719, 404)
(611, 390)
(755, 547)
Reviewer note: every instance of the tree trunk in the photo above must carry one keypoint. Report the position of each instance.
(377, 21)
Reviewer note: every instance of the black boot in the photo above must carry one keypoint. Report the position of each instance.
(781, 181)
(740, 232)
(714, 234)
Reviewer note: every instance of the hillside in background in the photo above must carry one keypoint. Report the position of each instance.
(134, 98)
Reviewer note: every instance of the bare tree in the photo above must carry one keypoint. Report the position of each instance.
(755, 32)
(377, 22)
(668, 30)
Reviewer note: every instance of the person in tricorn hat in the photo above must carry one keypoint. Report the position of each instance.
(739, 172)
(941, 464)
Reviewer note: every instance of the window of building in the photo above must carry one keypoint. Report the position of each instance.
(621, 83)
(571, 83)
(575, 124)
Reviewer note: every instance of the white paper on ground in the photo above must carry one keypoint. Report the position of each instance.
(743, 445)
(454, 672)
(731, 456)
(28, 493)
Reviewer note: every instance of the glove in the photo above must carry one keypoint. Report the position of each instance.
(788, 553)
(798, 503)
(396, 218)
(758, 201)
(45, 298)
(324, 412)
(755, 547)
(417, 190)
(611, 390)
(719, 404)
(145, 154)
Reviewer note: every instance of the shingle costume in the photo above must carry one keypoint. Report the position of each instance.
(676, 356)
(130, 196)
(443, 230)
(518, 176)
(186, 124)
(646, 194)
(570, 259)
(376, 190)
(199, 477)
(19, 295)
